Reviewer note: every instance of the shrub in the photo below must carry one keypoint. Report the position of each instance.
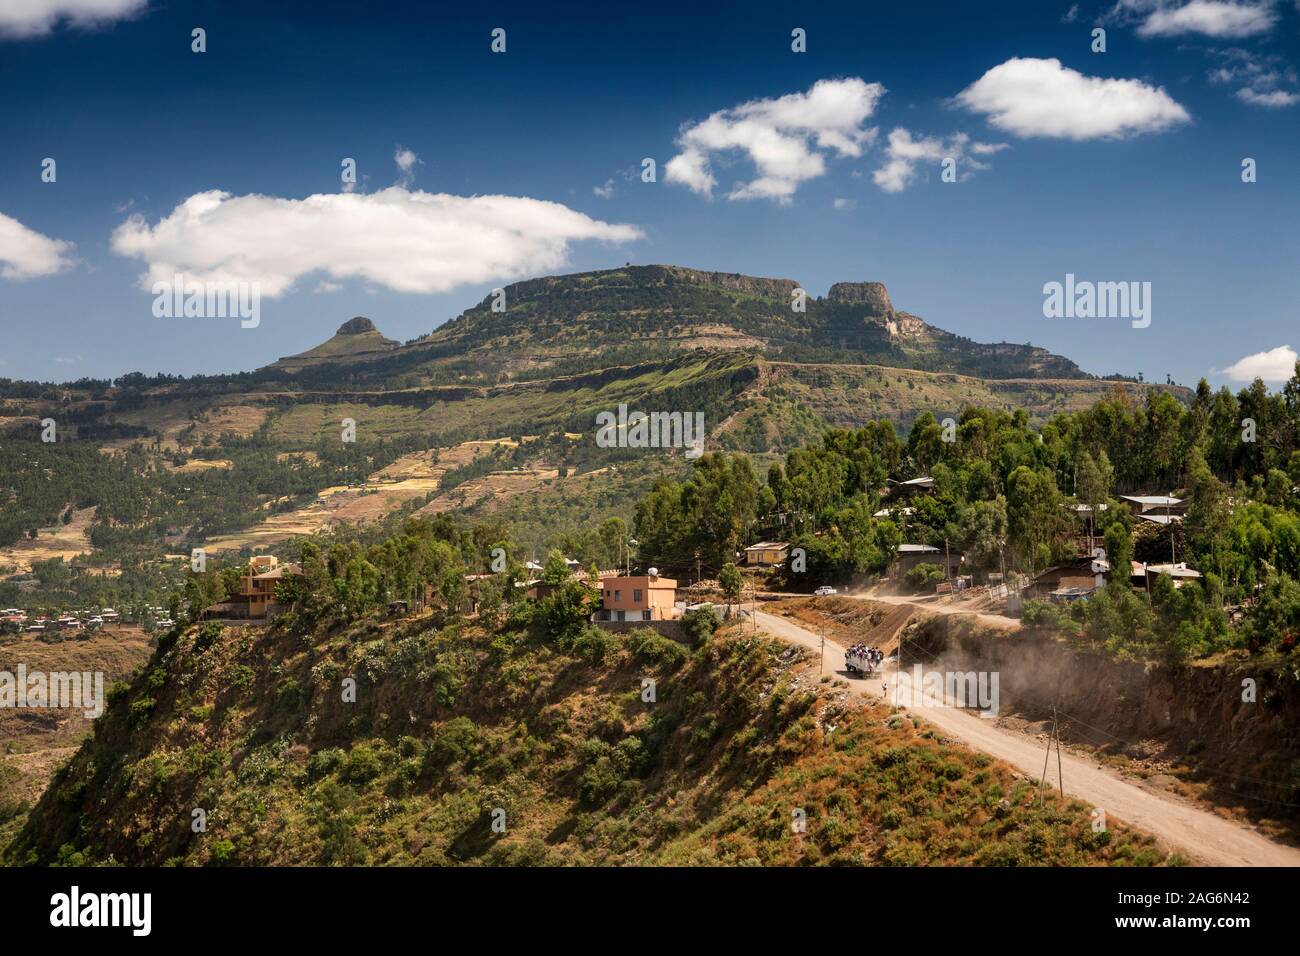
(362, 765)
(141, 709)
(651, 647)
(700, 624)
(923, 577)
(595, 644)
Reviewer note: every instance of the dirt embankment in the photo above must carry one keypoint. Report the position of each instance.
(1226, 733)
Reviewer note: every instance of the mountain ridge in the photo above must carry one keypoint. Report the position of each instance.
(666, 308)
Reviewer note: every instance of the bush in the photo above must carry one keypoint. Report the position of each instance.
(141, 709)
(362, 765)
(595, 644)
(207, 636)
(701, 624)
(651, 647)
(924, 577)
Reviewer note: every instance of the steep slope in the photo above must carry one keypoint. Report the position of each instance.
(468, 745)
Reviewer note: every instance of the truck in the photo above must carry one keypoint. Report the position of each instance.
(859, 659)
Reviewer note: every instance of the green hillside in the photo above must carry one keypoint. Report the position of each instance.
(458, 727)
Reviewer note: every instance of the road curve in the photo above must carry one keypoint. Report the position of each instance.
(1200, 835)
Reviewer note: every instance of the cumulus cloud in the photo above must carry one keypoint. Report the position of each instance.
(842, 203)
(786, 138)
(905, 152)
(1275, 365)
(406, 241)
(1035, 97)
(606, 191)
(35, 18)
(1211, 18)
(26, 254)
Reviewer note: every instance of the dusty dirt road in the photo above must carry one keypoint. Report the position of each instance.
(994, 620)
(1201, 836)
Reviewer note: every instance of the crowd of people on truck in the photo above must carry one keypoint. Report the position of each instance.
(874, 655)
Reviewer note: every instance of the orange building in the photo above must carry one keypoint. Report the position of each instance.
(645, 597)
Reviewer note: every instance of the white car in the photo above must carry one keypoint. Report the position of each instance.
(824, 590)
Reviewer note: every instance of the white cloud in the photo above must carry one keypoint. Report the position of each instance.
(842, 203)
(786, 138)
(1273, 99)
(325, 288)
(1263, 76)
(35, 18)
(1035, 97)
(26, 254)
(1211, 18)
(606, 191)
(905, 152)
(406, 161)
(1275, 365)
(407, 241)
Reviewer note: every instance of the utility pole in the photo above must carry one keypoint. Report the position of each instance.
(1047, 756)
(1060, 776)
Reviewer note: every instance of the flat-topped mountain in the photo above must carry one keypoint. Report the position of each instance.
(549, 353)
(590, 320)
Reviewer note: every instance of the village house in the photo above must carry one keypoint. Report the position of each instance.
(1075, 580)
(256, 597)
(1179, 571)
(638, 597)
(910, 555)
(912, 486)
(1158, 509)
(767, 552)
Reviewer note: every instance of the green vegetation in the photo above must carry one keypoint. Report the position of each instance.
(522, 745)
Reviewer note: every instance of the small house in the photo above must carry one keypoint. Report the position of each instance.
(767, 552)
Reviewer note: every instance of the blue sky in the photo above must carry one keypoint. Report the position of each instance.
(1115, 166)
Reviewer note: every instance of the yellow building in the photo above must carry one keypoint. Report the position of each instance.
(767, 552)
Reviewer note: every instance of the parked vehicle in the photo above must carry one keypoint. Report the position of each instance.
(824, 590)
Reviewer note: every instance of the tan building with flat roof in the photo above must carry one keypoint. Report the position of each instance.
(767, 552)
(256, 597)
(637, 597)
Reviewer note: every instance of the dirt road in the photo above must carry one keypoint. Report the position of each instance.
(934, 607)
(1198, 834)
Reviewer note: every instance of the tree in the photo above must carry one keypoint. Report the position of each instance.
(1119, 553)
(1033, 513)
(556, 569)
(981, 531)
(1095, 476)
(731, 582)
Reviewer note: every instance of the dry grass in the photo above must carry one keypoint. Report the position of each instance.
(64, 541)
